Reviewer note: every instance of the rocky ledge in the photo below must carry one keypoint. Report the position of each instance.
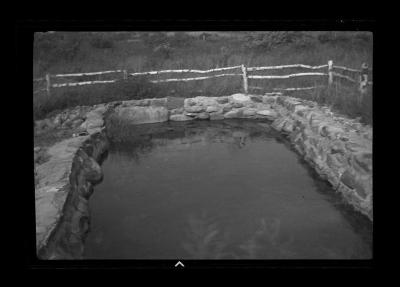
(338, 148)
(65, 183)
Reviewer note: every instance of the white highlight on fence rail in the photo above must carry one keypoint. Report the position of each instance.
(86, 74)
(287, 76)
(347, 69)
(82, 83)
(285, 67)
(344, 77)
(183, 71)
(298, 89)
(288, 89)
(194, 79)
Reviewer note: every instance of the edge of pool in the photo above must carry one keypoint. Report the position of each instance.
(337, 148)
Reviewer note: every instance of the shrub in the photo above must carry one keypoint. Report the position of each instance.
(269, 40)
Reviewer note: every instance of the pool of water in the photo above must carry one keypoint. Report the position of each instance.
(217, 190)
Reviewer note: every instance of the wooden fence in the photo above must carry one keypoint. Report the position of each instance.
(244, 72)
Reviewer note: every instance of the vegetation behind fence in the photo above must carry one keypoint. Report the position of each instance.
(75, 53)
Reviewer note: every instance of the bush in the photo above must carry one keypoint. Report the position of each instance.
(163, 51)
(270, 40)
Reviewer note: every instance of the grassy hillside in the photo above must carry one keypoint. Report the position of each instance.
(66, 52)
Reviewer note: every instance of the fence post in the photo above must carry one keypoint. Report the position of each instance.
(48, 84)
(330, 72)
(125, 75)
(245, 85)
(363, 82)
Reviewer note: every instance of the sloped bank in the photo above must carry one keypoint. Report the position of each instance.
(339, 149)
(62, 214)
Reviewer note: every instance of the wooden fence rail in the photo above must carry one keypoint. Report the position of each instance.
(286, 67)
(331, 74)
(184, 71)
(86, 74)
(287, 76)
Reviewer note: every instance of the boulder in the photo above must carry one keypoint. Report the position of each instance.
(331, 131)
(288, 127)
(76, 123)
(57, 120)
(249, 112)
(240, 98)
(94, 130)
(278, 124)
(212, 109)
(143, 103)
(362, 161)
(227, 108)
(98, 110)
(216, 116)
(222, 100)
(269, 114)
(203, 116)
(256, 99)
(180, 118)
(93, 122)
(195, 109)
(176, 111)
(231, 114)
(142, 115)
(92, 170)
(269, 99)
(362, 188)
(238, 105)
(201, 101)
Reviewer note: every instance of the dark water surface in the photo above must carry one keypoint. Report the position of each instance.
(217, 190)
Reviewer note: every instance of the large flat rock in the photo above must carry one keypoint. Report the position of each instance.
(240, 98)
(53, 186)
(142, 115)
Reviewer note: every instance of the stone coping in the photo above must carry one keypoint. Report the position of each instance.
(338, 148)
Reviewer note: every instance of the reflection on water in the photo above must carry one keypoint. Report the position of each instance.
(268, 243)
(204, 239)
(207, 240)
(217, 190)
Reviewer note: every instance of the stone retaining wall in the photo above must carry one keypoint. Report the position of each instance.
(339, 149)
(62, 213)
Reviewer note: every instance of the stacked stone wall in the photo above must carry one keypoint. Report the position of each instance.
(339, 149)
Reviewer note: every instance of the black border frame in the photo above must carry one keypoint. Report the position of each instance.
(24, 29)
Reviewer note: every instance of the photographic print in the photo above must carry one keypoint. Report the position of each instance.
(211, 145)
